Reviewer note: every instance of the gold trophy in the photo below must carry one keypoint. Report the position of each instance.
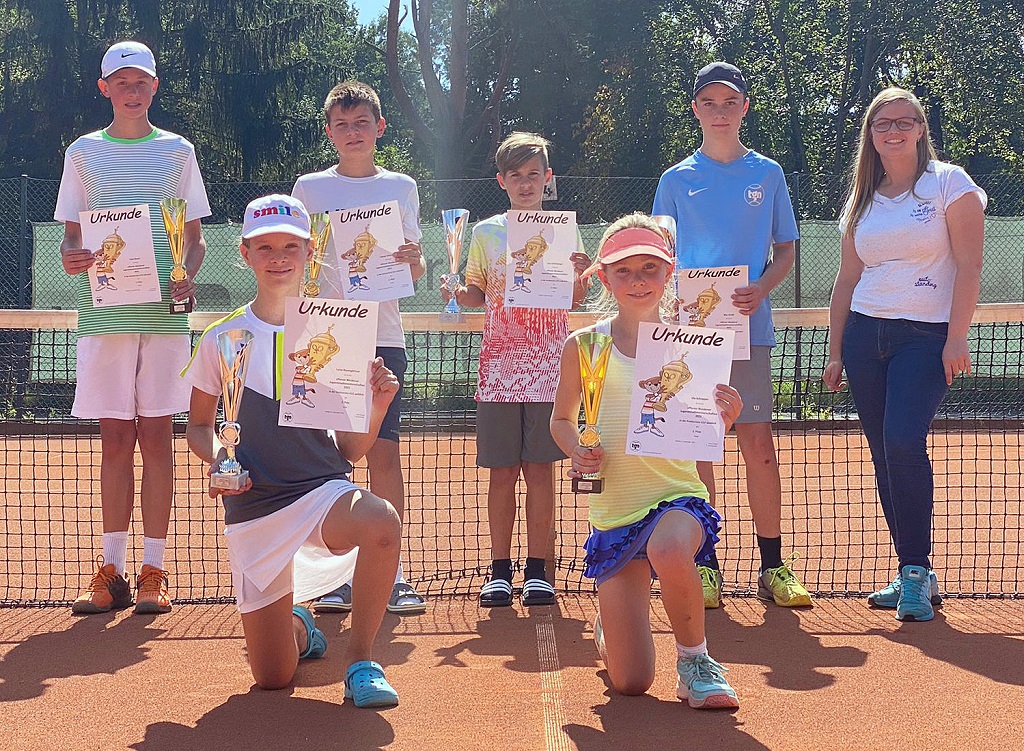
(455, 221)
(233, 353)
(320, 233)
(173, 212)
(594, 351)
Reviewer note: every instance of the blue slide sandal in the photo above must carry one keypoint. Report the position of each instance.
(366, 685)
(316, 642)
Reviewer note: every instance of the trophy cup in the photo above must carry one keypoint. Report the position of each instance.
(233, 353)
(594, 351)
(667, 225)
(173, 212)
(320, 233)
(455, 221)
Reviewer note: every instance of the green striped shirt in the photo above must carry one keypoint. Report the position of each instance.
(102, 172)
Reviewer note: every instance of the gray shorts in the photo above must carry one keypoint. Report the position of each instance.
(753, 379)
(508, 433)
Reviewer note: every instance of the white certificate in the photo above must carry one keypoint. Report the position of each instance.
(538, 272)
(673, 412)
(365, 241)
(121, 240)
(329, 346)
(705, 299)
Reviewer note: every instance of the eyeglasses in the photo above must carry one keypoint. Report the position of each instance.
(884, 124)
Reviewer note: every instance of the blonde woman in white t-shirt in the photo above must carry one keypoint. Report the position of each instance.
(913, 229)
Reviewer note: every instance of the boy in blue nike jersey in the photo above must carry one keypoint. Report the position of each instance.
(732, 207)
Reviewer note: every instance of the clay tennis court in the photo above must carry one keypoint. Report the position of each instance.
(837, 676)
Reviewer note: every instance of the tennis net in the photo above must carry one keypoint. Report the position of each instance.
(50, 518)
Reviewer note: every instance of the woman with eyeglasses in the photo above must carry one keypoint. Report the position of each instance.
(912, 234)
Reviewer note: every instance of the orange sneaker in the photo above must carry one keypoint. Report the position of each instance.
(108, 590)
(152, 595)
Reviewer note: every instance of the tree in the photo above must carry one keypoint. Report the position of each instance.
(461, 123)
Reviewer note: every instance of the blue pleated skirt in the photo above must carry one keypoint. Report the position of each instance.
(607, 551)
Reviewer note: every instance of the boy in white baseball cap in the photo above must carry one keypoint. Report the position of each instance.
(128, 54)
(293, 529)
(129, 355)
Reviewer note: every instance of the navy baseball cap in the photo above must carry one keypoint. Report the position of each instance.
(725, 73)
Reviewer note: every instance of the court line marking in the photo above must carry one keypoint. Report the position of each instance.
(555, 738)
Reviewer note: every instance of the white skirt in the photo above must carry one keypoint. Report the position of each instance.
(285, 552)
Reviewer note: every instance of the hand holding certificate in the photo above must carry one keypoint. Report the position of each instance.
(705, 300)
(124, 272)
(539, 269)
(674, 404)
(329, 348)
(365, 241)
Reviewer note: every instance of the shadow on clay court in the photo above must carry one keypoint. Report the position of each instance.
(997, 656)
(512, 632)
(644, 722)
(273, 719)
(795, 659)
(28, 669)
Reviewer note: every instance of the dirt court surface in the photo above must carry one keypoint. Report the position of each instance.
(839, 676)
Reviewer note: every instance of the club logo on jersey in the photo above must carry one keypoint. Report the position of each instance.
(754, 195)
(924, 212)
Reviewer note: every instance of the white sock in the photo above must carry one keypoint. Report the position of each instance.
(399, 575)
(115, 550)
(153, 551)
(700, 649)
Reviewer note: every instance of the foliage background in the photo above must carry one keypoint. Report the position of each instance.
(608, 81)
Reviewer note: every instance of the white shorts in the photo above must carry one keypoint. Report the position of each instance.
(285, 552)
(124, 376)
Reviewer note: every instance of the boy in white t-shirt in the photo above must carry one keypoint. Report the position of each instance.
(128, 356)
(353, 124)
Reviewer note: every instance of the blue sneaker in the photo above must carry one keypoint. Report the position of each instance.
(316, 642)
(366, 685)
(915, 599)
(703, 685)
(889, 595)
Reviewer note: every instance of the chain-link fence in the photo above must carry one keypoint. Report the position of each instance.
(30, 239)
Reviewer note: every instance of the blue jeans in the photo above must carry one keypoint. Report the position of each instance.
(894, 368)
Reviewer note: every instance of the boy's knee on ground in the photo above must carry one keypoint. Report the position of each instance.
(273, 677)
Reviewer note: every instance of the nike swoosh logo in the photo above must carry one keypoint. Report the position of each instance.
(691, 192)
(128, 54)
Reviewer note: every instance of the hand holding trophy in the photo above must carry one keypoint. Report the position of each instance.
(594, 350)
(173, 212)
(320, 233)
(233, 353)
(455, 221)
